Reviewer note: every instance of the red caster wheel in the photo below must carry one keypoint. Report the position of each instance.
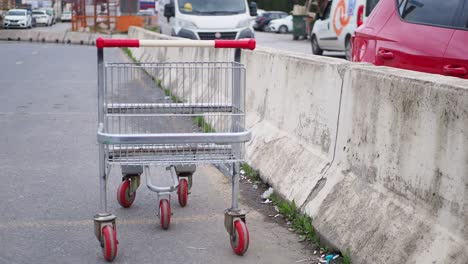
(109, 239)
(182, 192)
(240, 239)
(124, 196)
(165, 213)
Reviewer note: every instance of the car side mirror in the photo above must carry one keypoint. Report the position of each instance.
(169, 11)
(253, 9)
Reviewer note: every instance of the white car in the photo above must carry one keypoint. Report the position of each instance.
(282, 25)
(17, 18)
(334, 27)
(42, 17)
(66, 16)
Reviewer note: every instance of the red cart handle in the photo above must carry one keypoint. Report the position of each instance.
(136, 43)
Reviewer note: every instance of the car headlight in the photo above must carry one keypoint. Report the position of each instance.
(186, 24)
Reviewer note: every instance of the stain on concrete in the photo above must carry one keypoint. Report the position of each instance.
(325, 141)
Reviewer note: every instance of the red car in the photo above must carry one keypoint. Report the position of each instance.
(420, 35)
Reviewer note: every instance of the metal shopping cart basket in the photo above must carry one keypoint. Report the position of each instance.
(172, 114)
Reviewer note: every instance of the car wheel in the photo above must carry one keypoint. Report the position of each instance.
(348, 48)
(316, 50)
(283, 29)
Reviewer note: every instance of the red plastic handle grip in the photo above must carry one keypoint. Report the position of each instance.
(241, 44)
(117, 43)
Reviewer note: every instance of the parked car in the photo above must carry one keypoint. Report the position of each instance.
(66, 16)
(336, 24)
(282, 25)
(421, 35)
(262, 21)
(259, 13)
(42, 17)
(17, 18)
(51, 13)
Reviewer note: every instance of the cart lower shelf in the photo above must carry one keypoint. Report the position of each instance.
(171, 154)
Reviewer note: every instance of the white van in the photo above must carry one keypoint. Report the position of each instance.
(207, 19)
(334, 27)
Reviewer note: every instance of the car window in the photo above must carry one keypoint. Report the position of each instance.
(432, 12)
(465, 14)
(326, 13)
(370, 4)
(16, 13)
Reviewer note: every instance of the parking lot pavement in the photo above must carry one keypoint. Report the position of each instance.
(49, 190)
(285, 42)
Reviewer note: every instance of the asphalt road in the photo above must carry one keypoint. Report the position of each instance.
(49, 190)
(286, 42)
(58, 27)
(265, 39)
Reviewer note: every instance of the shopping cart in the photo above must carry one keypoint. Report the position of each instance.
(172, 114)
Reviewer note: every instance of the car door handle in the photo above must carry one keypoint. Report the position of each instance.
(386, 55)
(454, 70)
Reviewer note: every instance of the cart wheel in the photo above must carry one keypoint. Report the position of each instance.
(109, 249)
(165, 213)
(240, 239)
(124, 197)
(182, 192)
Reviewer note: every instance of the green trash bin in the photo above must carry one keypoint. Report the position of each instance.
(299, 26)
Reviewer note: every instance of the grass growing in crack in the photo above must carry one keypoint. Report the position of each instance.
(130, 55)
(174, 98)
(346, 257)
(201, 123)
(300, 222)
(251, 173)
(152, 28)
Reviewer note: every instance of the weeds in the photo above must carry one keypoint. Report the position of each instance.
(130, 55)
(251, 173)
(154, 28)
(300, 222)
(201, 123)
(346, 257)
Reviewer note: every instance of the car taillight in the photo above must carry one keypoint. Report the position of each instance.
(360, 15)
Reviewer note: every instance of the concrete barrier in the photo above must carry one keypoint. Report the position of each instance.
(397, 191)
(377, 156)
(18, 35)
(82, 38)
(51, 37)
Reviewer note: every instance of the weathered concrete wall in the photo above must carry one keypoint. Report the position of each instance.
(398, 190)
(377, 156)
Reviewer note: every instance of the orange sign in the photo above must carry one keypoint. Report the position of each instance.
(344, 18)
